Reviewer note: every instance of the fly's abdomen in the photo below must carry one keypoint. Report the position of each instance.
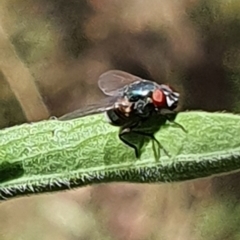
(116, 117)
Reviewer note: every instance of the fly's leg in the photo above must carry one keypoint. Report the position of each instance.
(121, 135)
(170, 116)
(172, 120)
(129, 130)
(178, 125)
(151, 136)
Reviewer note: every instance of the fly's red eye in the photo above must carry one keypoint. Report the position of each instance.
(158, 98)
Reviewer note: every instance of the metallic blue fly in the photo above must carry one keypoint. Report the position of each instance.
(129, 101)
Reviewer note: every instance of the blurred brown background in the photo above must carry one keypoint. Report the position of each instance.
(51, 54)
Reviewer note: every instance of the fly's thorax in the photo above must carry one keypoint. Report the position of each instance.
(143, 107)
(125, 111)
(139, 90)
(139, 94)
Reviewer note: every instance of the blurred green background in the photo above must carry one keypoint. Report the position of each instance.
(51, 54)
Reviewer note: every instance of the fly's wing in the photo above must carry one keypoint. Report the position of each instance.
(112, 82)
(101, 106)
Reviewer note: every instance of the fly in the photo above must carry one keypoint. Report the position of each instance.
(130, 101)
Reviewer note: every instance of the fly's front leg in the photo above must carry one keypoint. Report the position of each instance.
(171, 116)
(176, 124)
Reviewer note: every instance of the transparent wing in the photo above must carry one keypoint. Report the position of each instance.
(112, 82)
(101, 106)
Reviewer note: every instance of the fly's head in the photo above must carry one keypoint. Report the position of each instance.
(165, 98)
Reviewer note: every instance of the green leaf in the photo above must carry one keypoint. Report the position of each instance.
(56, 155)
